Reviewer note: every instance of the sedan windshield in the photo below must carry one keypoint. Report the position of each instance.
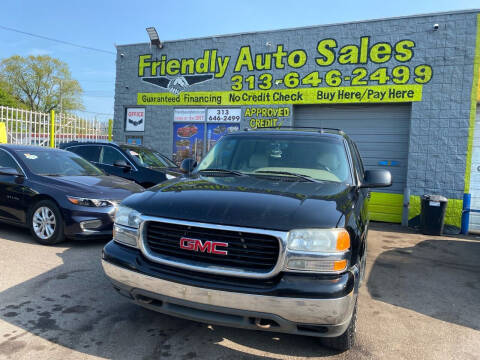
(149, 158)
(57, 163)
(300, 158)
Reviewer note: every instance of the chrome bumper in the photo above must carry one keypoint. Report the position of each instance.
(336, 312)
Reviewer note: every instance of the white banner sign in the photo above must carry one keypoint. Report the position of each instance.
(135, 120)
(224, 115)
(189, 115)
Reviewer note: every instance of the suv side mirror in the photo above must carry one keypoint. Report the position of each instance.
(122, 164)
(377, 178)
(9, 171)
(188, 165)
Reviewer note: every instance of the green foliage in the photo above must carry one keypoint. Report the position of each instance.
(6, 99)
(42, 83)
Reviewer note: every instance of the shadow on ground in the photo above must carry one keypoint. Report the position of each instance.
(73, 305)
(437, 277)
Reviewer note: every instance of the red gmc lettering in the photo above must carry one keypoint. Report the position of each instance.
(207, 246)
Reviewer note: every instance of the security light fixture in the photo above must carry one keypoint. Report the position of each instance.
(153, 35)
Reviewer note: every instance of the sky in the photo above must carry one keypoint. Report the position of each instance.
(103, 23)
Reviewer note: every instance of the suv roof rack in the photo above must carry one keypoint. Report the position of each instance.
(319, 129)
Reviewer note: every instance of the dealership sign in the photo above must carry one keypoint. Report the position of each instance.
(339, 75)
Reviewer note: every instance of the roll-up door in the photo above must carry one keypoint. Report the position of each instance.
(381, 133)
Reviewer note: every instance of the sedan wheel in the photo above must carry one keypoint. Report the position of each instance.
(44, 223)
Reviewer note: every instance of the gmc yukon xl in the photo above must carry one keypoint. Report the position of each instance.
(268, 232)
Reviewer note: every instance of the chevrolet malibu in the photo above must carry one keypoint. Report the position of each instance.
(57, 194)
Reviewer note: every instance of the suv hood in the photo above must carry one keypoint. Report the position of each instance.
(104, 186)
(246, 201)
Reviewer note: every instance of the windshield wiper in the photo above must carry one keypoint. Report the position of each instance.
(224, 171)
(299, 176)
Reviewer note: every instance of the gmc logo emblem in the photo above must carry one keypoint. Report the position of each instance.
(207, 246)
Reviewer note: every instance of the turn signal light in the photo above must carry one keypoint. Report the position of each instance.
(343, 240)
(317, 265)
(339, 265)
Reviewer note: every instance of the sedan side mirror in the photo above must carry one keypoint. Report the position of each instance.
(9, 171)
(122, 164)
(188, 165)
(377, 178)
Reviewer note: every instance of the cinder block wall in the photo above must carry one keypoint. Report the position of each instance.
(439, 123)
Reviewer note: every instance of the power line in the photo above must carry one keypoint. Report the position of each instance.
(94, 112)
(98, 81)
(56, 40)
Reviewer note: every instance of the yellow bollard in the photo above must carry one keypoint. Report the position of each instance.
(3, 133)
(52, 129)
(110, 129)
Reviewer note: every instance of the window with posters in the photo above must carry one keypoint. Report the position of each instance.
(135, 119)
(196, 130)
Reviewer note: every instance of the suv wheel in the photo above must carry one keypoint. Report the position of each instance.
(46, 223)
(347, 339)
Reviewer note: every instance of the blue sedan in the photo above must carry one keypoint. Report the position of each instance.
(58, 194)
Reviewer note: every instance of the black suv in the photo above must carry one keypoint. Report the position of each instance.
(268, 232)
(137, 163)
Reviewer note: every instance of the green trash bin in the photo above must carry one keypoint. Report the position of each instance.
(432, 216)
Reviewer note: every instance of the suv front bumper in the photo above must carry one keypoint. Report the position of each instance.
(313, 316)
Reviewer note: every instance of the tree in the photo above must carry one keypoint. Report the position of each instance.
(6, 99)
(42, 83)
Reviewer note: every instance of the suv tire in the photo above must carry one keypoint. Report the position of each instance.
(46, 223)
(347, 339)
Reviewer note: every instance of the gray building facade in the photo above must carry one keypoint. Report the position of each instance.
(405, 89)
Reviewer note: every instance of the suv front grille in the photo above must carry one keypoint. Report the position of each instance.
(246, 251)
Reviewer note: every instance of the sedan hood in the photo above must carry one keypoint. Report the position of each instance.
(103, 187)
(247, 201)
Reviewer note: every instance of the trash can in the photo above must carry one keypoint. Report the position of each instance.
(432, 216)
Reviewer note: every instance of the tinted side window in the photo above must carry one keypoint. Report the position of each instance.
(110, 155)
(90, 153)
(6, 161)
(357, 161)
(360, 161)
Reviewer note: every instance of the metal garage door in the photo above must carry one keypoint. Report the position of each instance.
(475, 176)
(381, 133)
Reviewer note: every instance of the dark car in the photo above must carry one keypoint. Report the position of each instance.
(268, 232)
(58, 194)
(137, 163)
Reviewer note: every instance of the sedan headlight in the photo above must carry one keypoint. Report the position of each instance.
(89, 202)
(170, 177)
(318, 250)
(127, 217)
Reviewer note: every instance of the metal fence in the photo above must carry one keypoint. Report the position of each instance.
(50, 129)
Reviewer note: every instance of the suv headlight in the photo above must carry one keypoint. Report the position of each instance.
(319, 240)
(127, 217)
(319, 250)
(125, 229)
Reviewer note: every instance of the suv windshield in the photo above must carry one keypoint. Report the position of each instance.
(57, 163)
(286, 155)
(148, 158)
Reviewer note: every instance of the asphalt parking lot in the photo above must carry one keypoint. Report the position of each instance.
(421, 300)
